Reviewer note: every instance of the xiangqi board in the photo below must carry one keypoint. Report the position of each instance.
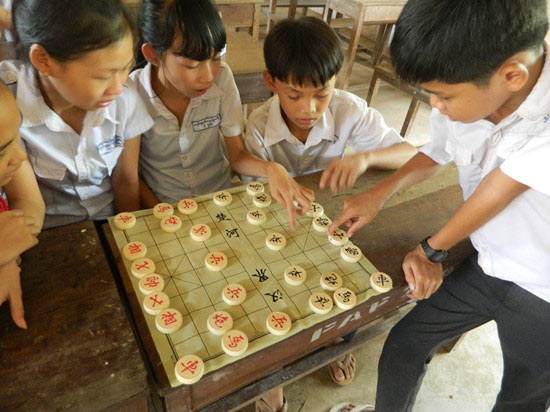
(193, 288)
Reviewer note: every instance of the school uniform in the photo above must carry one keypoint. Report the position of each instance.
(73, 171)
(508, 279)
(347, 123)
(189, 160)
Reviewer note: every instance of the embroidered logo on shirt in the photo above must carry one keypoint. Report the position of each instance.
(108, 146)
(207, 123)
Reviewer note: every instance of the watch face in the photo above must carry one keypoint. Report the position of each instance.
(433, 255)
(438, 256)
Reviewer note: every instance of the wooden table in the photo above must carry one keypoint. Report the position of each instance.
(79, 352)
(409, 217)
(362, 12)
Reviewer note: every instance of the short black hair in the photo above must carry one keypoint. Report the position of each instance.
(303, 51)
(197, 21)
(457, 41)
(68, 29)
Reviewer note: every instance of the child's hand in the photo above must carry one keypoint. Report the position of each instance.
(358, 210)
(10, 289)
(15, 235)
(342, 173)
(423, 276)
(286, 191)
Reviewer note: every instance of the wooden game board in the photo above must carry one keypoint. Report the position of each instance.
(196, 291)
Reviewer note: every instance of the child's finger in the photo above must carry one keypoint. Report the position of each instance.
(291, 211)
(340, 219)
(334, 179)
(303, 201)
(344, 176)
(307, 192)
(352, 177)
(409, 277)
(326, 176)
(16, 308)
(355, 226)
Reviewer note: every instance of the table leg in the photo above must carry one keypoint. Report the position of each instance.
(256, 22)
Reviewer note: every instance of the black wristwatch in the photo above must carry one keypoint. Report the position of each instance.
(433, 255)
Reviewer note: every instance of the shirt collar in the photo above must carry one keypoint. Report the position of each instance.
(276, 129)
(537, 103)
(36, 112)
(159, 109)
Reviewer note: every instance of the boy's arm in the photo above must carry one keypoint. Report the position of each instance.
(284, 188)
(342, 173)
(125, 178)
(495, 192)
(23, 194)
(147, 197)
(360, 209)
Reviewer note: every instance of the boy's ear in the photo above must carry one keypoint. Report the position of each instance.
(41, 59)
(515, 75)
(150, 54)
(269, 81)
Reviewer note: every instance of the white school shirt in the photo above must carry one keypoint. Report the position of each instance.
(178, 162)
(347, 122)
(6, 35)
(514, 245)
(73, 171)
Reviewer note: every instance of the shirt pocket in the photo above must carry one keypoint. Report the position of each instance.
(47, 168)
(110, 159)
(109, 152)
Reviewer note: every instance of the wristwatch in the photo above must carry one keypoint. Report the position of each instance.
(433, 255)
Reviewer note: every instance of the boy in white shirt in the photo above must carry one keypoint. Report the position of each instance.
(308, 125)
(491, 118)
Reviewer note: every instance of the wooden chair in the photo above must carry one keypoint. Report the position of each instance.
(293, 5)
(237, 14)
(356, 15)
(383, 70)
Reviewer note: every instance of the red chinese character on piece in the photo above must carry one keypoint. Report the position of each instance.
(169, 317)
(235, 340)
(144, 265)
(216, 259)
(187, 204)
(279, 322)
(164, 208)
(220, 319)
(155, 300)
(152, 281)
(201, 230)
(172, 220)
(134, 248)
(190, 366)
(124, 218)
(234, 293)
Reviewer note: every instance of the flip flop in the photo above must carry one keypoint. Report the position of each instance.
(345, 365)
(351, 407)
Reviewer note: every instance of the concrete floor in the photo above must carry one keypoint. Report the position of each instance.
(467, 379)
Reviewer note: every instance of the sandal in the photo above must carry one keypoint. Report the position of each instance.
(347, 366)
(350, 407)
(263, 406)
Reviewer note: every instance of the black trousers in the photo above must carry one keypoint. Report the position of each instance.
(469, 298)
